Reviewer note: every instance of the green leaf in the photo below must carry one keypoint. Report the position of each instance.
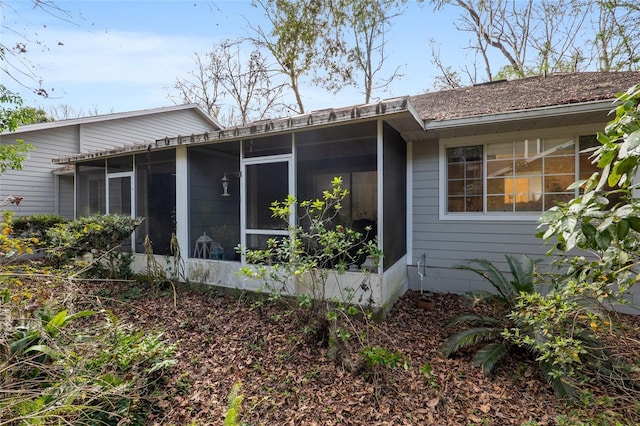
(56, 322)
(603, 239)
(588, 230)
(633, 140)
(614, 177)
(469, 337)
(622, 229)
(78, 315)
(606, 159)
(45, 349)
(474, 319)
(634, 222)
(560, 387)
(625, 165)
(489, 356)
(603, 138)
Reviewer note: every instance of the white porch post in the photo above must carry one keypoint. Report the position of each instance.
(182, 200)
(380, 174)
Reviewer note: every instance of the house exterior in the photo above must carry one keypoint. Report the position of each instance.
(521, 140)
(441, 177)
(45, 188)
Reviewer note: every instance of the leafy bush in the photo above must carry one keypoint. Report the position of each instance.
(378, 361)
(487, 330)
(557, 331)
(583, 342)
(100, 236)
(36, 226)
(318, 249)
(571, 330)
(10, 246)
(377, 356)
(563, 334)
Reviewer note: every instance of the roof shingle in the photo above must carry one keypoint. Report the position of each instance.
(523, 94)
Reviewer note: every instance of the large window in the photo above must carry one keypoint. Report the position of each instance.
(519, 176)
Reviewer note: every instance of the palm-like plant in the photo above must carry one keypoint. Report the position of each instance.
(488, 330)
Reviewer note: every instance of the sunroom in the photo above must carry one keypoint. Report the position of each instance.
(214, 190)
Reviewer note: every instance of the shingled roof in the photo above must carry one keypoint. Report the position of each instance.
(523, 94)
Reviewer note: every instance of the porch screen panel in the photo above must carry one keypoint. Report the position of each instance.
(214, 218)
(91, 188)
(120, 201)
(266, 183)
(395, 196)
(348, 152)
(156, 199)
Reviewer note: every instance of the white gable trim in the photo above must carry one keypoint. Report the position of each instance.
(115, 116)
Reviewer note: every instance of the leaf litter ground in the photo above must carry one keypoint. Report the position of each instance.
(286, 380)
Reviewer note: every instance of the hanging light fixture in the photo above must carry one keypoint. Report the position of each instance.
(225, 185)
(225, 182)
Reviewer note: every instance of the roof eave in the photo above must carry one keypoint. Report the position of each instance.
(109, 117)
(550, 111)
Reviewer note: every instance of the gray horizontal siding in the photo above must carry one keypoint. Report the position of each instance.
(35, 183)
(132, 130)
(65, 196)
(447, 243)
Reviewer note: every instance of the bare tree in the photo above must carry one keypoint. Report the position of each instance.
(531, 36)
(200, 87)
(556, 35)
(233, 84)
(368, 22)
(500, 24)
(67, 112)
(247, 81)
(448, 77)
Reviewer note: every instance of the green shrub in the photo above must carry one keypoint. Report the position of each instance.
(319, 248)
(486, 331)
(100, 236)
(583, 343)
(36, 226)
(378, 363)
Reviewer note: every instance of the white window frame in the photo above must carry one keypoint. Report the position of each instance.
(568, 132)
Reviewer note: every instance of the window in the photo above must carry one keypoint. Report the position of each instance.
(518, 176)
(464, 179)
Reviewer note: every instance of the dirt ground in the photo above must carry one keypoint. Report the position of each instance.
(286, 380)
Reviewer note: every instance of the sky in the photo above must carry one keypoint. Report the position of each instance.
(118, 55)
